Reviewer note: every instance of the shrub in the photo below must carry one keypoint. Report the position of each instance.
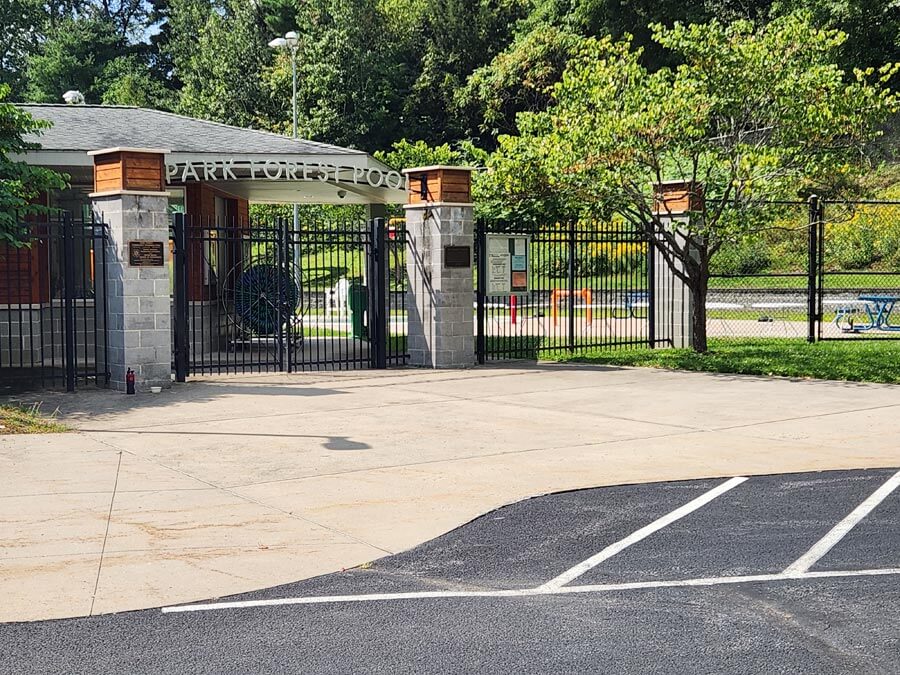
(748, 257)
(863, 237)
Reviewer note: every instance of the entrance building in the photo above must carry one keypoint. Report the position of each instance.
(92, 295)
(155, 264)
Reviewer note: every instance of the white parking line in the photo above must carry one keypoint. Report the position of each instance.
(839, 531)
(526, 592)
(721, 581)
(636, 536)
(557, 586)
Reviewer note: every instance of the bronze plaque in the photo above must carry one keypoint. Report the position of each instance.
(457, 256)
(145, 253)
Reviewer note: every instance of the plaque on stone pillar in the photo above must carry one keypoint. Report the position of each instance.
(146, 253)
(457, 256)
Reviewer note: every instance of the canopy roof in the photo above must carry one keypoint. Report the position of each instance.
(332, 175)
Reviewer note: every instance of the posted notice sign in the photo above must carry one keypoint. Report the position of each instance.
(508, 264)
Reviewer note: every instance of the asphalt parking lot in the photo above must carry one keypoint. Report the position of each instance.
(796, 573)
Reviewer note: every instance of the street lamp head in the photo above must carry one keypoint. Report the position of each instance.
(291, 39)
(278, 43)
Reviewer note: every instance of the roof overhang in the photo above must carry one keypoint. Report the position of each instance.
(339, 178)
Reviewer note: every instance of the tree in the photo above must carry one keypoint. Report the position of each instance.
(350, 84)
(128, 17)
(405, 154)
(20, 183)
(751, 114)
(457, 37)
(128, 80)
(219, 54)
(20, 20)
(519, 79)
(872, 27)
(72, 58)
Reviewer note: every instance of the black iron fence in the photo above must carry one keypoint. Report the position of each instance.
(264, 297)
(591, 285)
(53, 309)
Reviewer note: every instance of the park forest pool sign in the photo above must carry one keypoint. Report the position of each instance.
(278, 170)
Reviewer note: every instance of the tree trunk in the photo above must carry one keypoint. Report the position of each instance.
(699, 289)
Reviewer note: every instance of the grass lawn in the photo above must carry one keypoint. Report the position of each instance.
(16, 419)
(852, 359)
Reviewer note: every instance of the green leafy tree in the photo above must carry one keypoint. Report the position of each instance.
(219, 54)
(519, 79)
(872, 27)
(129, 80)
(25, 23)
(406, 154)
(73, 57)
(128, 17)
(20, 21)
(456, 38)
(350, 88)
(751, 114)
(20, 183)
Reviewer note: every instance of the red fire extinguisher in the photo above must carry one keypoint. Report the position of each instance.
(129, 381)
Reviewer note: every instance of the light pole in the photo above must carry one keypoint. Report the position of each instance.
(290, 41)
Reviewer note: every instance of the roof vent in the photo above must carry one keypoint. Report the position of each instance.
(73, 97)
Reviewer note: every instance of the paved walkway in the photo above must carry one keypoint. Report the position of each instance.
(234, 484)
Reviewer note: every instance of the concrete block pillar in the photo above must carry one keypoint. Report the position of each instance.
(675, 202)
(440, 234)
(129, 196)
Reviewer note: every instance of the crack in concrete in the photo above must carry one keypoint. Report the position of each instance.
(112, 500)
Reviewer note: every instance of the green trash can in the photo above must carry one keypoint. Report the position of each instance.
(358, 298)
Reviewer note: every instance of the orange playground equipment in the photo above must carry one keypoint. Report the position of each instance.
(558, 294)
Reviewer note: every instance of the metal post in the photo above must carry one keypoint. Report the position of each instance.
(812, 269)
(820, 264)
(280, 293)
(69, 298)
(182, 342)
(378, 295)
(294, 96)
(571, 342)
(287, 277)
(651, 292)
(297, 251)
(480, 288)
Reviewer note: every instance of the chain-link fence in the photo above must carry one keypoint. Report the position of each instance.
(812, 270)
(759, 285)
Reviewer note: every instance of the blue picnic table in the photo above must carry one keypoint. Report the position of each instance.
(878, 309)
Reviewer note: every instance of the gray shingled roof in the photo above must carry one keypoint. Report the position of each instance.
(95, 127)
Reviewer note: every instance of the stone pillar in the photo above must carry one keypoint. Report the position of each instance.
(674, 204)
(129, 196)
(440, 234)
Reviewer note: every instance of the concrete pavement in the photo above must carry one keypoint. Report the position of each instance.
(233, 484)
(678, 577)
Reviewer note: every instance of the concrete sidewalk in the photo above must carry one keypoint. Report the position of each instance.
(233, 484)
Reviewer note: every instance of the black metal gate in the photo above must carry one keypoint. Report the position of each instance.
(267, 298)
(53, 307)
(591, 286)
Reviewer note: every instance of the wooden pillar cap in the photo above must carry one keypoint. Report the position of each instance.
(439, 184)
(677, 197)
(129, 170)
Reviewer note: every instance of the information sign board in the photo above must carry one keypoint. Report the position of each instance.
(508, 264)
